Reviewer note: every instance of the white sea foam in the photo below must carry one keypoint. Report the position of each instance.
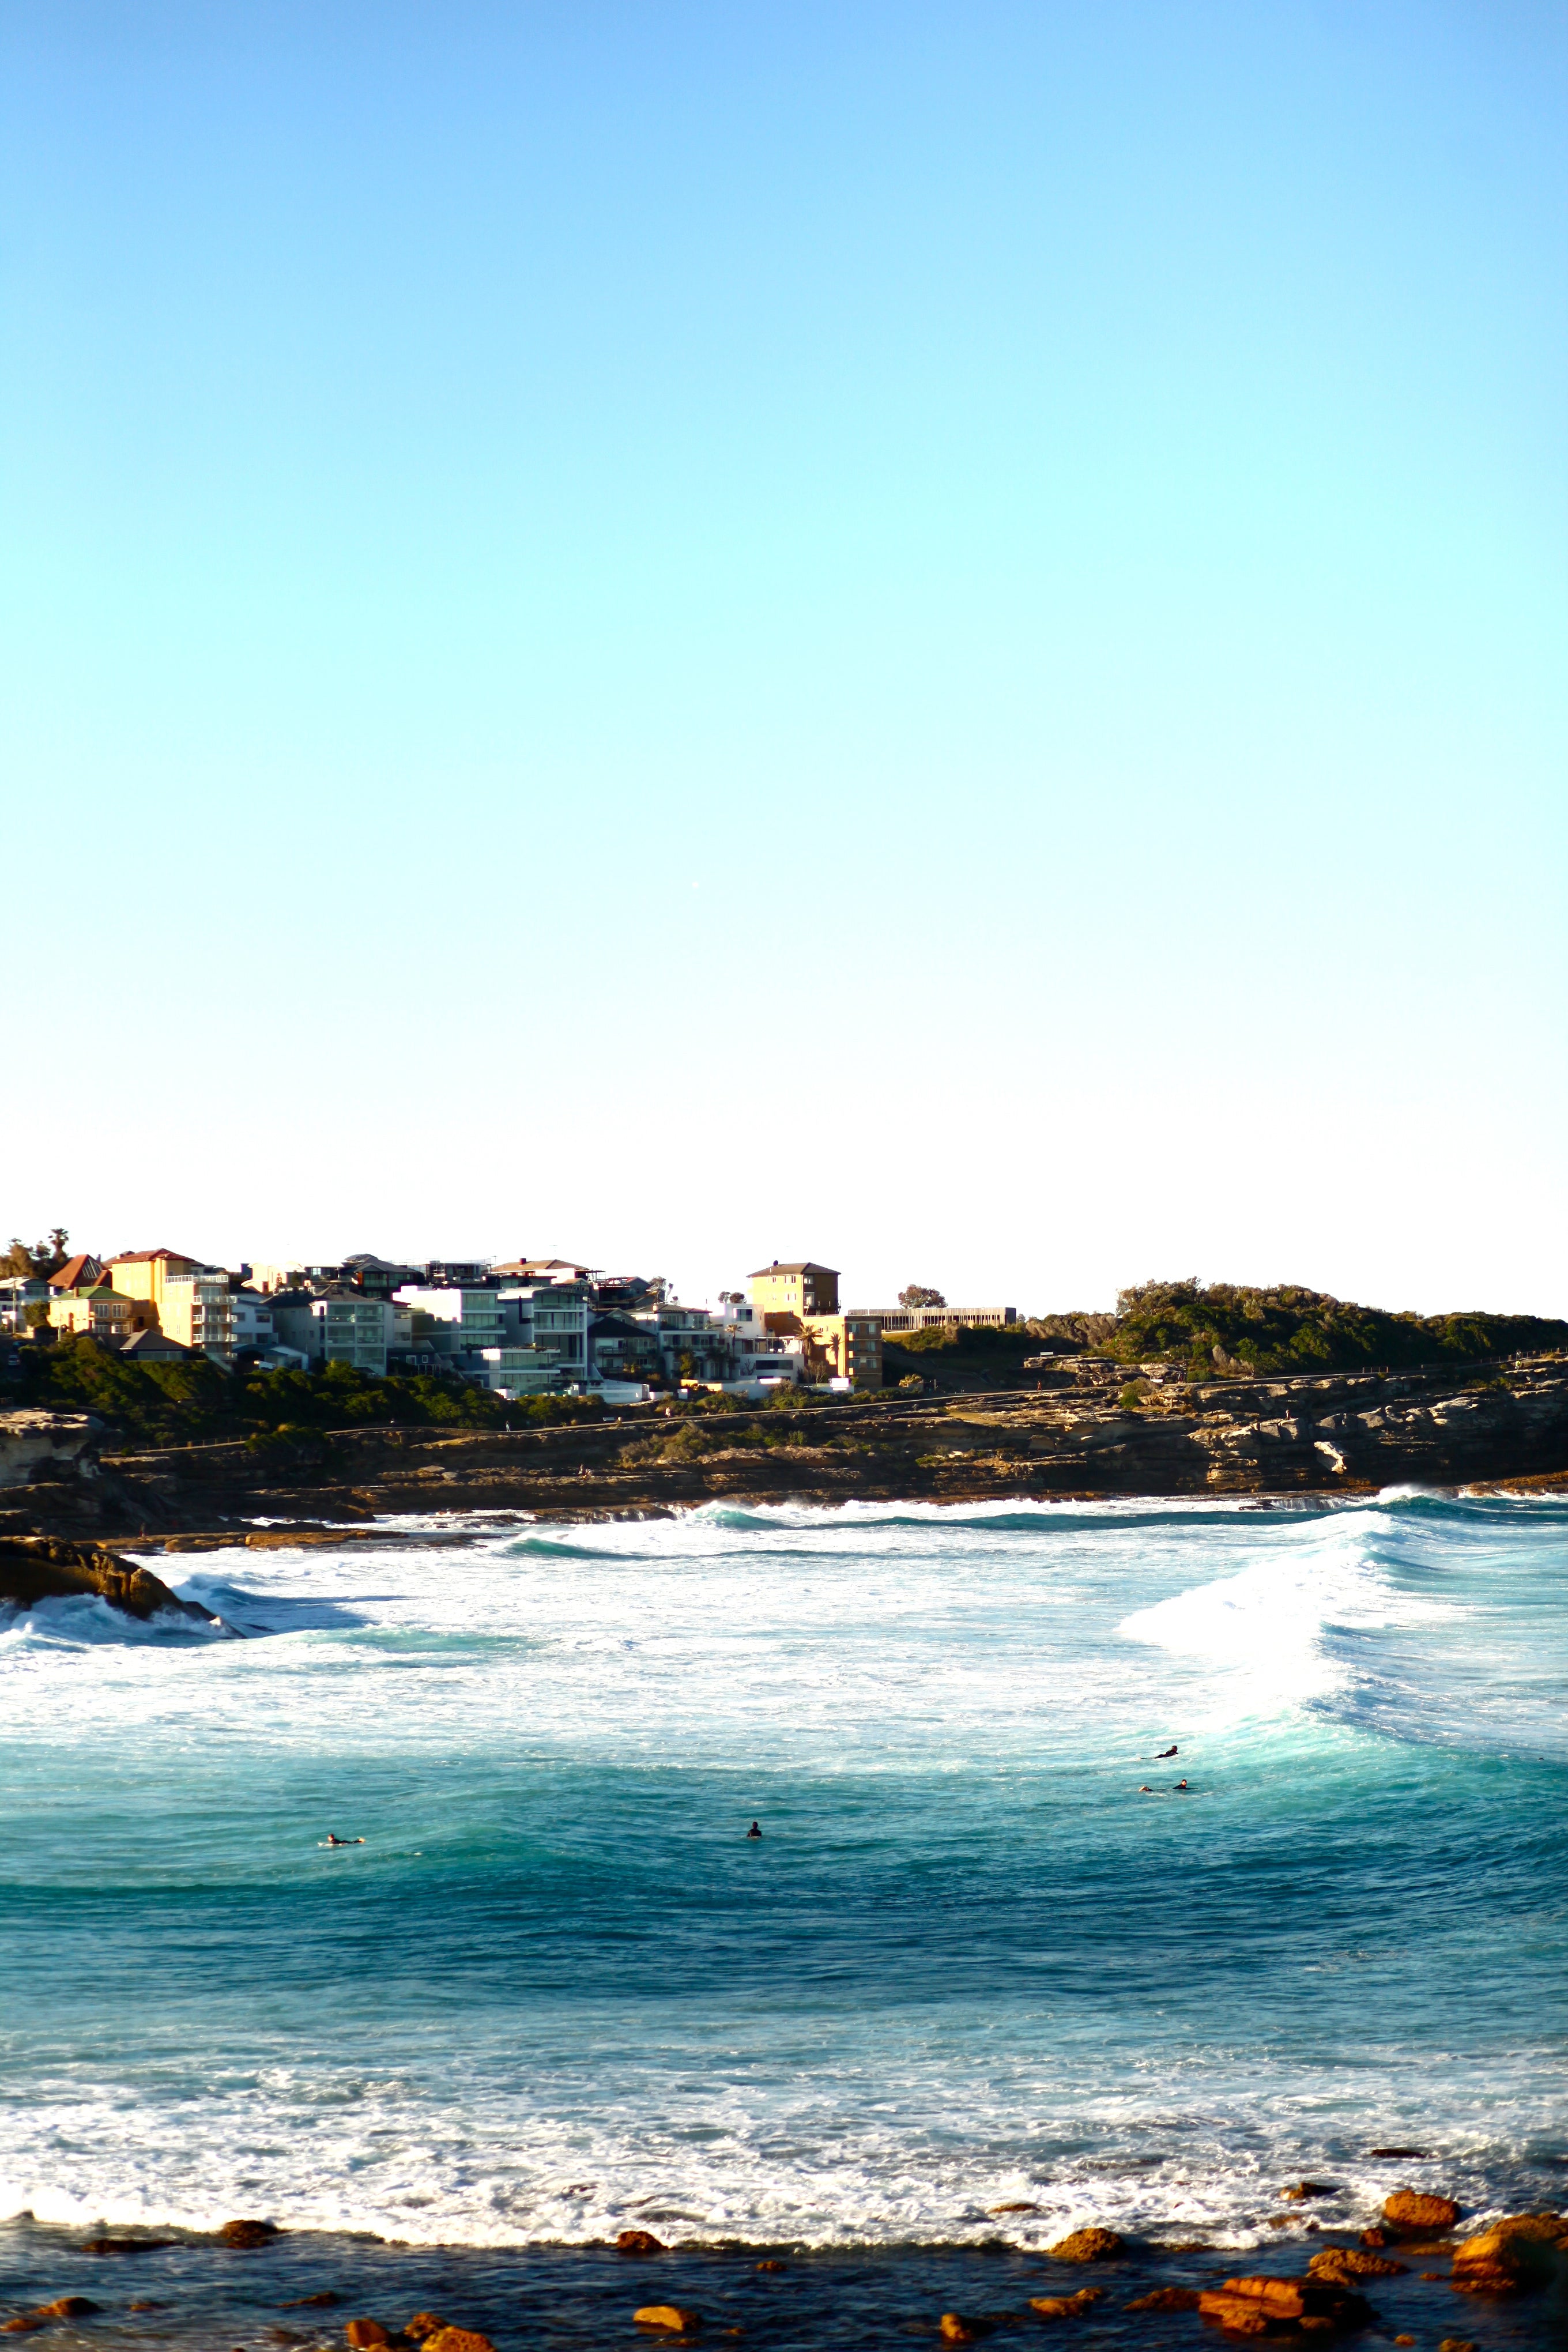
(950, 1673)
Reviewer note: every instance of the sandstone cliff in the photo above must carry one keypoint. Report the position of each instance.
(1329, 1434)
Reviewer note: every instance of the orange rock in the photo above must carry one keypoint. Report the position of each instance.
(1351, 2261)
(1456, 2343)
(1239, 2314)
(1405, 2339)
(672, 2316)
(457, 2339)
(423, 2324)
(365, 2334)
(1012, 2209)
(1408, 2210)
(770, 2266)
(1286, 2297)
(955, 2330)
(1086, 2246)
(1374, 2237)
(69, 2307)
(1067, 2306)
(25, 2323)
(640, 2241)
(1167, 2298)
(1299, 2190)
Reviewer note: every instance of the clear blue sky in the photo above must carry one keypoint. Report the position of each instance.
(932, 637)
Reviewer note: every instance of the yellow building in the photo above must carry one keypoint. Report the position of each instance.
(843, 1348)
(800, 1288)
(800, 1300)
(142, 1274)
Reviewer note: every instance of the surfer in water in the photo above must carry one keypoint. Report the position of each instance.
(333, 1838)
(1163, 1753)
(1180, 1789)
(755, 1830)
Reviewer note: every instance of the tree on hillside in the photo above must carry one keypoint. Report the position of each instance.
(37, 1259)
(920, 1294)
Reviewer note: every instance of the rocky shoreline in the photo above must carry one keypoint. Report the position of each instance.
(1074, 1439)
(306, 2289)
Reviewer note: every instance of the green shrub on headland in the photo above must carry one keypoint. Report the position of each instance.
(1223, 1326)
(185, 1403)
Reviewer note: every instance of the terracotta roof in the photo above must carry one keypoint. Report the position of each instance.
(74, 1273)
(144, 1257)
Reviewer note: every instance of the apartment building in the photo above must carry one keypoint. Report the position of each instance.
(197, 1310)
(800, 1300)
(455, 1318)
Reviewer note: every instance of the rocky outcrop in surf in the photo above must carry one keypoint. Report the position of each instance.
(46, 1568)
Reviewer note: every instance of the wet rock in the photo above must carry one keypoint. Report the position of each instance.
(457, 2339)
(673, 2316)
(1266, 2306)
(1022, 2208)
(1353, 2261)
(125, 2245)
(24, 2323)
(1299, 2190)
(1409, 2210)
(1409, 2154)
(955, 2330)
(1405, 2339)
(1067, 2306)
(770, 2266)
(69, 2307)
(43, 1567)
(1518, 2252)
(322, 2302)
(151, 2307)
(639, 2241)
(1456, 2343)
(1087, 2246)
(248, 2233)
(363, 2335)
(423, 2324)
(1167, 2298)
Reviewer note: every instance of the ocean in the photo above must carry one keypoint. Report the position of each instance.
(558, 1993)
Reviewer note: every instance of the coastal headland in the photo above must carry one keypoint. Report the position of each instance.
(1081, 1432)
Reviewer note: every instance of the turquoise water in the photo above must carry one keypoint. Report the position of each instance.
(557, 1993)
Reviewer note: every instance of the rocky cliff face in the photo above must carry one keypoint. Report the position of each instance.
(1326, 1436)
(35, 1447)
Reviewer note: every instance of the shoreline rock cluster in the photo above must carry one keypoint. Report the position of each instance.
(1509, 2257)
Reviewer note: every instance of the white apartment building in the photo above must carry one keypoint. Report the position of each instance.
(18, 1293)
(458, 1319)
(552, 1316)
(519, 1371)
(197, 1310)
(352, 1329)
